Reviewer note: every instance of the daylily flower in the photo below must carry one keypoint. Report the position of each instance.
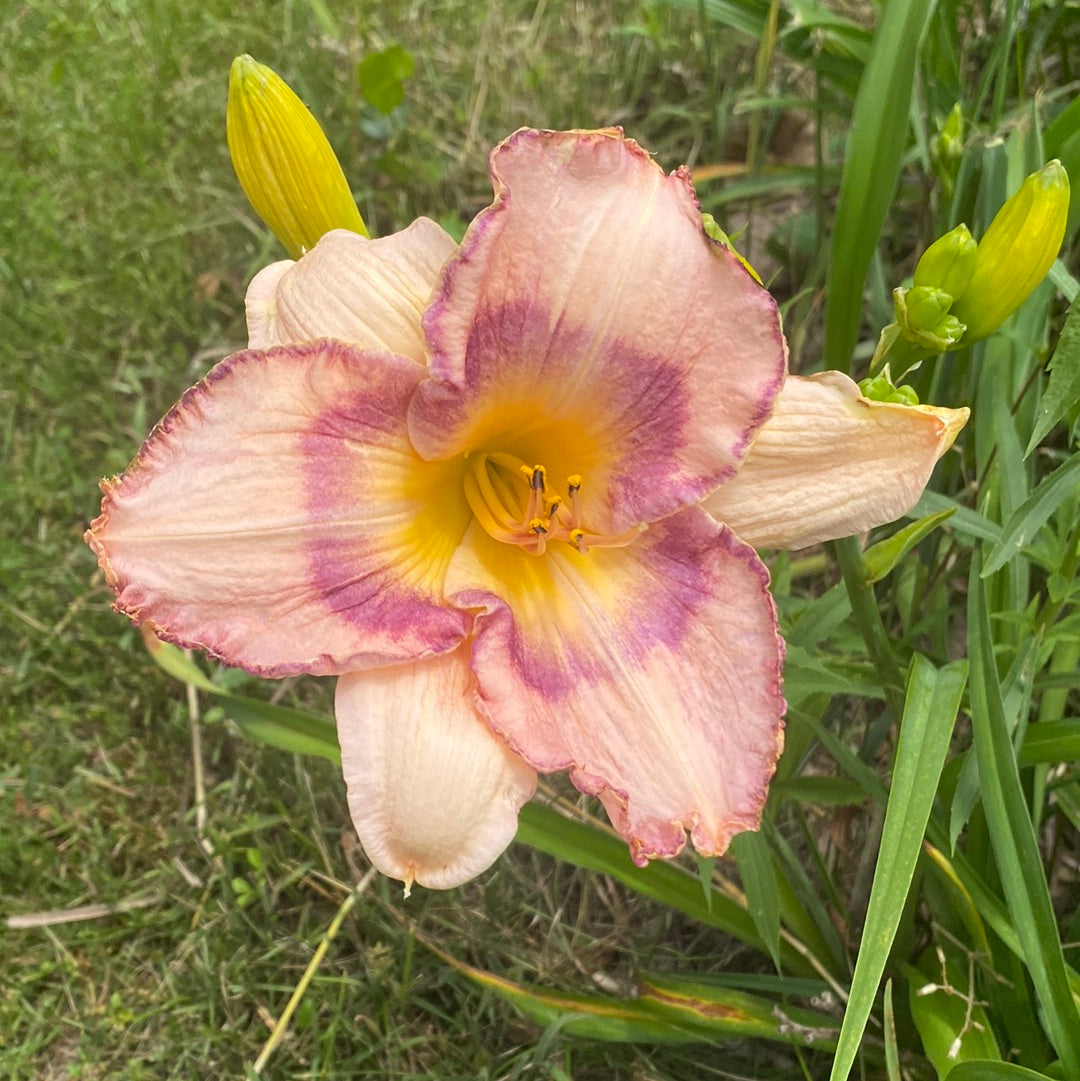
(498, 490)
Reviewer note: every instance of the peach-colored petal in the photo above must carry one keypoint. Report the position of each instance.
(652, 672)
(370, 293)
(278, 518)
(260, 304)
(434, 795)
(587, 323)
(830, 463)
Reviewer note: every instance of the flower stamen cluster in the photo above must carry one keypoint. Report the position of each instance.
(531, 514)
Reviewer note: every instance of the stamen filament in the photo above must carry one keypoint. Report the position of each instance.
(484, 515)
(533, 515)
(497, 502)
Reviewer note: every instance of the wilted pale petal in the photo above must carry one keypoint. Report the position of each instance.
(434, 795)
(369, 293)
(830, 463)
(278, 518)
(652, 672)
(587, 323)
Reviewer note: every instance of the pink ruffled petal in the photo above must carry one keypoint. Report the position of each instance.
(830, 463)
(278, 518)
(370, 293)
(434, 795)
(588, 324)
(652, 672)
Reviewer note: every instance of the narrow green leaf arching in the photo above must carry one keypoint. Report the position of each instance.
(931, 703)
(1013, 837)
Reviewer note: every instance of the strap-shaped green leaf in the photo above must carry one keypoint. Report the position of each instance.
(1011, 833)
(930, 707)
(872, 156)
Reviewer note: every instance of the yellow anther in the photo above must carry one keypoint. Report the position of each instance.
(529, 514)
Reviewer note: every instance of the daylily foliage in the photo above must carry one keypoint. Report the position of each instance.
(508, 492)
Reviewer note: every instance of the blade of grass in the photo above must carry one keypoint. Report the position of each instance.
(545, 829)
(752, 856)
(717, 1012)
(989, 1070)
(1051, 741)
(872, 154)
(280, 726)
(892, 1051)
(930, 707)
(882, 558)
(1015, 847)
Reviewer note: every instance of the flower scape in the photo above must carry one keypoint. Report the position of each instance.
(509, 492)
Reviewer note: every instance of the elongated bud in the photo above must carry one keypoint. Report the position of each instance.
(947, 147)
(1018, 249)
(283, 160)
(948, 263)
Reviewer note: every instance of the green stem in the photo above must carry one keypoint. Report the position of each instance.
(898, 352)
(868, 619)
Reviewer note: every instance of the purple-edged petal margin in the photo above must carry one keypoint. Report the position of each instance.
(278, 518)
(652, 672)
(370, 293)
(587, 301)
(830, 463)
(433, 793)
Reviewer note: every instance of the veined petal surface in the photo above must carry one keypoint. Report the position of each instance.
(587, 323)
(278, 518)
(260, 305)
(830, 463)
(652, 672)
(433, 793)
(370, 293)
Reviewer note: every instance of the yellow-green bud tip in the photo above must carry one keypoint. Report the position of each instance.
(283, 161)
(948, 263)
(1017, 251)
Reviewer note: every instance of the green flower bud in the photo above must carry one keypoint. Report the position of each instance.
(947, 146)
(922, 314)
(920, 307)
(880, 389)
(948, 263)
(1018, 249)
(283, 161)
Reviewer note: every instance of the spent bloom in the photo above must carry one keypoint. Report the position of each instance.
(509, 493)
